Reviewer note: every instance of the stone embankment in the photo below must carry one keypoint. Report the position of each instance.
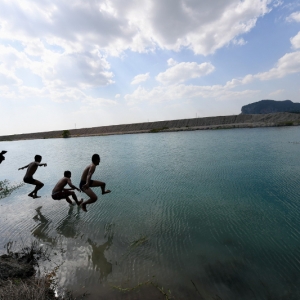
(223, 122)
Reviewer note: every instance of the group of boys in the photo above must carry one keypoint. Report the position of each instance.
(60, 192)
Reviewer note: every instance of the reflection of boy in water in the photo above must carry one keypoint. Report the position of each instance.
(31, 169)
(41, 231)
(99, 260)
(59, 192)
(86, 182)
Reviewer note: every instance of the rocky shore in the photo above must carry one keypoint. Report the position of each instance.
(17, 280)
(222, 122)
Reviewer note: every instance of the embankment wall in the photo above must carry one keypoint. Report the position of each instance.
(257, 120)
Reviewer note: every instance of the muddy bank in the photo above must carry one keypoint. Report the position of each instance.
(17, 280)
(222, 122)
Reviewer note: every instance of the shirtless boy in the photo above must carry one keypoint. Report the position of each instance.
(86, 182)
(31, 169)
(2, 156)
(59, 192)
(1, 159)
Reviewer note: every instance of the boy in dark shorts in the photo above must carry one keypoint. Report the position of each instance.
(2, 156)
(1, 159)
(31, 169)
(59, 192)
(86, 182)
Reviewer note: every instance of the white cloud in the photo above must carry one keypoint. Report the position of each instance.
(117, 96)
(57, 71)
(171, 62)
(184, 71)
(276, 93)
(140, 78)
(239, 42)
(295, 41)
(114, 25)
(277, 3)
(287, 64)
(181, 91)
(85, 70)
(295, 16)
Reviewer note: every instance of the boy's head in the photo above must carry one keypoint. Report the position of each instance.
(96, 159)
(67, 174)
(38, 158)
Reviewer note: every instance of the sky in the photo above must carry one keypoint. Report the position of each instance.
(76, 64)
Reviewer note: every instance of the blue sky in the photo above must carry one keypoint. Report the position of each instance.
(94, 63)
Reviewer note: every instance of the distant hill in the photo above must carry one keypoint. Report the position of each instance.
(270, 106)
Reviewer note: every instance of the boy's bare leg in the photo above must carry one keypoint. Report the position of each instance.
(75, 198)
(102, 185)
(69, 200)
(38, 186)
(93, 198)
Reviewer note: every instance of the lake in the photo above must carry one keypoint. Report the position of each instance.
(204, 214)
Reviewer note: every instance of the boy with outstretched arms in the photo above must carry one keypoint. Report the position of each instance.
(59, 192)
(86, 182)
(2, 156)
(31, 169)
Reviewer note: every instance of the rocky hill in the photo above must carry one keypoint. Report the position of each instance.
(271, 106)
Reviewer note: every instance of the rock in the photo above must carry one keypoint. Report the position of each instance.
(271, 106)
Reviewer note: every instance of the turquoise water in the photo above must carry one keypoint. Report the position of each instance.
(206, 214)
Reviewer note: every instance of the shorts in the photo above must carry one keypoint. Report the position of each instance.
(29, 180)
(84, 182)
(61, 195)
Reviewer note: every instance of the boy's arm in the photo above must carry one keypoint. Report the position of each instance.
(73, 186)
(39, 164)
(23, 167)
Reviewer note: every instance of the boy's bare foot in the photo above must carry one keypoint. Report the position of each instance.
(36, 196)
(106, 192)
(79, 202)
(31, 195)
(83, 207)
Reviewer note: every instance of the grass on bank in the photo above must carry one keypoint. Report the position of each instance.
(6, 189)
(158, 129)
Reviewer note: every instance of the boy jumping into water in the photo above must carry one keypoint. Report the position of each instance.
(31, 169)
(2, 156)
(59, 192)
(86, 182)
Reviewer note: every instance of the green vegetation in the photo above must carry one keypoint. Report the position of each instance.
(66, 134)
(287, 123)
(6, 190)
(158, 129)
(133, 245)
(165, 294)
(139, 242)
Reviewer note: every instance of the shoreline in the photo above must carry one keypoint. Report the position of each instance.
(212, 127)
(208, 123)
